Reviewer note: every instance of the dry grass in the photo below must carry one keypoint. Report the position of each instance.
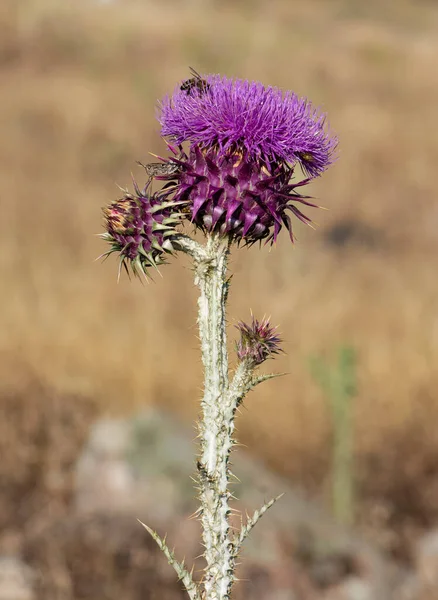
(79, 84)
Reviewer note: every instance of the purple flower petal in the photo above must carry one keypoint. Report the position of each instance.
(262, 122)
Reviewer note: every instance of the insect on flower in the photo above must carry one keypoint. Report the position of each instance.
(308, 156)
(195, 82)
(164, 169)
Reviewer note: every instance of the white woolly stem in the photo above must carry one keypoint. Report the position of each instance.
(191, 247)
(241, 383)
(216, 427)
(217, 421)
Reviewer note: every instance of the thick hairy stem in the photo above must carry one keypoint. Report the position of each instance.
(191, 247)
(216, 427)
(217, 421)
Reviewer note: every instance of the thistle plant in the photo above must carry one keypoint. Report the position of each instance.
(235, 148)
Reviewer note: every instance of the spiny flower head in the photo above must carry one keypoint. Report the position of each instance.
(141, 228)
(244, 142)
(264, 123)
(258, 341)
(234, 196)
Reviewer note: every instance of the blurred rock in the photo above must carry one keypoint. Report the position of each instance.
(104, 478)
(142, 465)
(426, 562)
(411, 589)
(16, 579)
(352, 588)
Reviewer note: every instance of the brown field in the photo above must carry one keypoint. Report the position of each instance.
(79, 85)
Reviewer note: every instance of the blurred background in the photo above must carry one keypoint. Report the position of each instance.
(79, 84)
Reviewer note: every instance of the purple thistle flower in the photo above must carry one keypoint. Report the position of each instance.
(141, 228)
(258, 341)
(244, 142)
(263, 123)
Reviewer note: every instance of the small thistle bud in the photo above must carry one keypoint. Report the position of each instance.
(141, 229)
(258, 341)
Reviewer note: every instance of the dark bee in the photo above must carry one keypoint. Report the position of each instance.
(196, 82)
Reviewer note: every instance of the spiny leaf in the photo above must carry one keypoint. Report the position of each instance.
(251, 522)
(261, 378)
(179, 567)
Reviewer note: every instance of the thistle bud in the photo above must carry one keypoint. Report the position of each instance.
(258, 341)
(141, 229)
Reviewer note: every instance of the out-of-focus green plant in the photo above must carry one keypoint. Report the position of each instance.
(339, 383)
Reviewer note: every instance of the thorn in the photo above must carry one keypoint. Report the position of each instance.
(196, 514)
